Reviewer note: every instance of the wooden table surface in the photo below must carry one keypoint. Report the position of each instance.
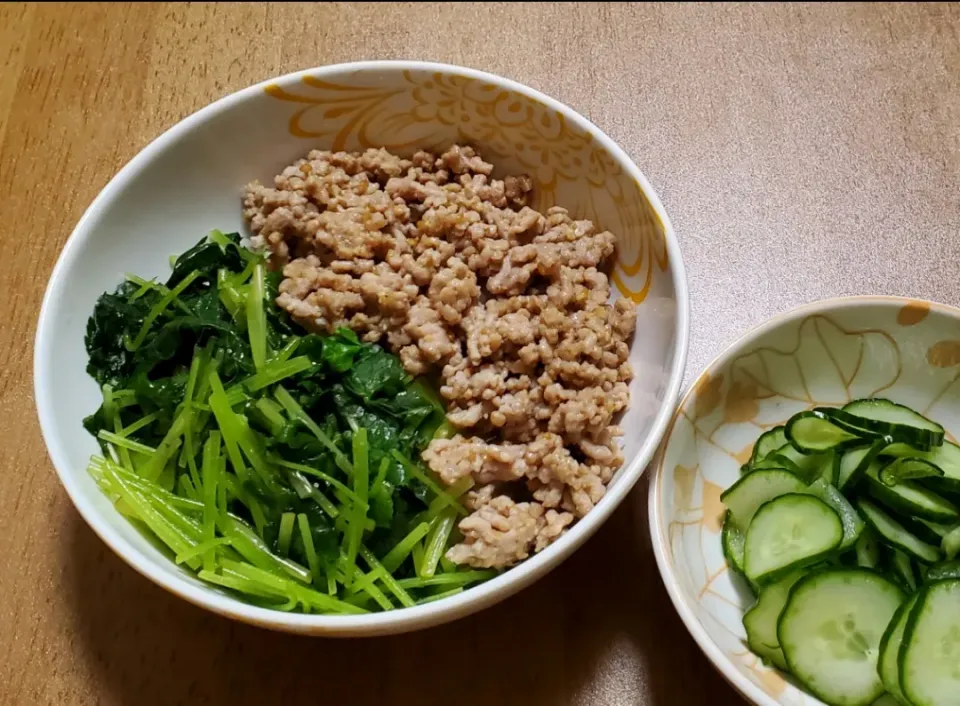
(802, 151)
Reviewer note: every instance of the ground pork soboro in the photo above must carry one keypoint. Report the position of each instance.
(453, 271)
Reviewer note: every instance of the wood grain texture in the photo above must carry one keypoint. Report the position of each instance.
(803, 151)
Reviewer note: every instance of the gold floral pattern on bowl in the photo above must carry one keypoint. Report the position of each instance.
(430, 110)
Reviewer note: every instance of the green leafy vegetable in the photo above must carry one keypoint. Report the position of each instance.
(276, 464)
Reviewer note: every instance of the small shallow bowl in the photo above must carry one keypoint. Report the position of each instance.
(826, 353)
(190, 181)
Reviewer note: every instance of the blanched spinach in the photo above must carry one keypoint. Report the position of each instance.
(177, 365)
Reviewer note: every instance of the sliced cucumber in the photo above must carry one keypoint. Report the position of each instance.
(806, 466)
(887, 700)
(745, 497)
(929, 532)
(830, 632)
(945, 457)
(768, 442)
(765, 464)
(902, 569)
(943, 570)
(868, 550)
(909, 498)
(760, 621)
(894, 534)
(889, 664)
(850, 461)
(930, 653)
(731, 539)
(944, 487)
(787, 457)
(902, 469)
(789, 532)
(951, 544)
(829, 467)
(888, 418)
(834, 631)
(852, 522)
(813, 432)
(854, 462)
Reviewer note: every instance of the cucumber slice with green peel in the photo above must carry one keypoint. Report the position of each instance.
(910, 498)
(945, 457)
(893, 534)
(766, 464)
(887, 700)
(785, 462)
(829, 467)
(898, 449)
(731, 539)
(929, 532)
(813, 432)
(853, 524)
(830, 632)
(902, 569)
(877, 412)
(943, 570)
(945, 487)
(888, 418)
(848, 423)
(854, 462)
(868, 550)
(787, 533)
(805, 466)
(930, 653)
(810, 468)
(951, 544)
(850, 462)
(835, 470)
(889, 664)
(760, 621)
(824, 469)
(939, 528)
(768, 442)
(902, 469)
(745, 497)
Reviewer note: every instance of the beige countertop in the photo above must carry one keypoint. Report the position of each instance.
(803, 151)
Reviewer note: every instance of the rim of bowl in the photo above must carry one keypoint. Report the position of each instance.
(721, 662)
(400, 619)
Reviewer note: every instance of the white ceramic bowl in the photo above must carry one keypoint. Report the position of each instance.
(826, 353)
(190, 180)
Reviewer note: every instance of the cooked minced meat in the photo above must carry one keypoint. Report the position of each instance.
(454, 272)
